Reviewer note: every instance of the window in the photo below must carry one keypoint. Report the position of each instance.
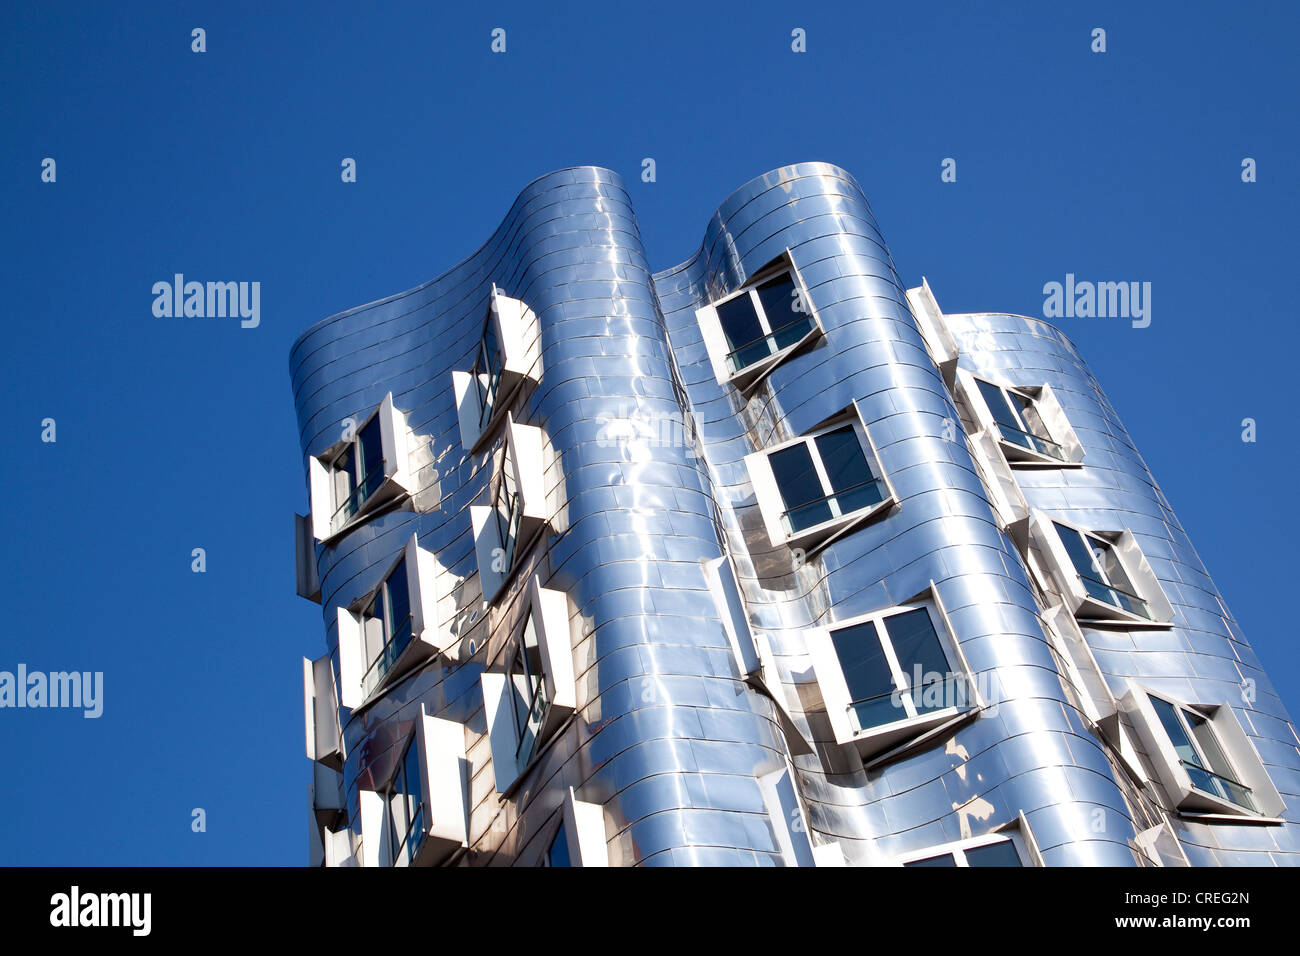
(815, 488)
(527, 687)
(891, 664)
(508, 355)
(405, 810)
(418, 815)
(533, 692)
(356, 476)
(1018, 421)
(993, 851)
(386, 626)
(1100, 570)
(751, 331)
(890, 677)
(1202, 757)
(1102, 576)
(1028, 423)
(392, 627)
(516, 507)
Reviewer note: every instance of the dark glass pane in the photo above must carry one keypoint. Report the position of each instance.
(867, 674)
(530, 689)
(1002, 853)
(843, 458)
(996, 401)
(1168, 715)
(398, 591)
(370, 453)
(787, 314)
(920, 655)
(558, 854)
(800, 487)
(1223, 783)
(944, 860)
(740, 323)
(1078, 550)
(488, 368)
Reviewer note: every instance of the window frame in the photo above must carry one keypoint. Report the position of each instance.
(518, 337)
(957, 849)
(519, 459)
(443, 792)
(771, 499)
(548, 610)
(427, 597)
(1045, 405)
(1089, 610)
(879, 743)
(397, 481)
(1239, 752)
(715, 338)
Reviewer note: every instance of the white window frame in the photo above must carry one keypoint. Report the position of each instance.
(938, 338)
(1190, 801)
(1048, 408)
(789, 819)
(398, 482)
(883, 742)
(751, 650)
(521, 453)
(548, 611)
(584, 831)
(715, 340)
(518, 333)
(444, 797)
(1088, 610)
(1020, 842)
(429, 596)
(771, 502)
(321, 705)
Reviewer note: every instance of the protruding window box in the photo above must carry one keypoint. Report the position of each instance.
(748, 333)
(820, 486)
(753, 655)
(580, 839)
(516, 510)
(391, 629)
(361, 474)
(1103, 577)
(509, 355)
(890, 679)
(1203, 758)
(420, 816)
(320, 697)
(531, 696)
(938, 338)
(1028, 422)
(308, 576)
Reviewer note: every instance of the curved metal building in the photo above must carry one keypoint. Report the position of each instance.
(759, 560)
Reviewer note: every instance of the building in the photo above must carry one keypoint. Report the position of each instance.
(761, 559)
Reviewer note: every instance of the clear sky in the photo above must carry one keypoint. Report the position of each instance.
(175, 434)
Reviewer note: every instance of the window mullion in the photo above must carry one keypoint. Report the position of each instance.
(815, 454)
(759, 311)
(895, 667)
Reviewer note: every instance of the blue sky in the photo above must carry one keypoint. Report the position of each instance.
(174, 434)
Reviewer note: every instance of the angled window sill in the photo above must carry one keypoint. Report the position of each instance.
(893, 741)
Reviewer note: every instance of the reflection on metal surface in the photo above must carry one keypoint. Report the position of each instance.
(669, 741)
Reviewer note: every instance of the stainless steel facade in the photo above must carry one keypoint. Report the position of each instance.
(646, 482)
